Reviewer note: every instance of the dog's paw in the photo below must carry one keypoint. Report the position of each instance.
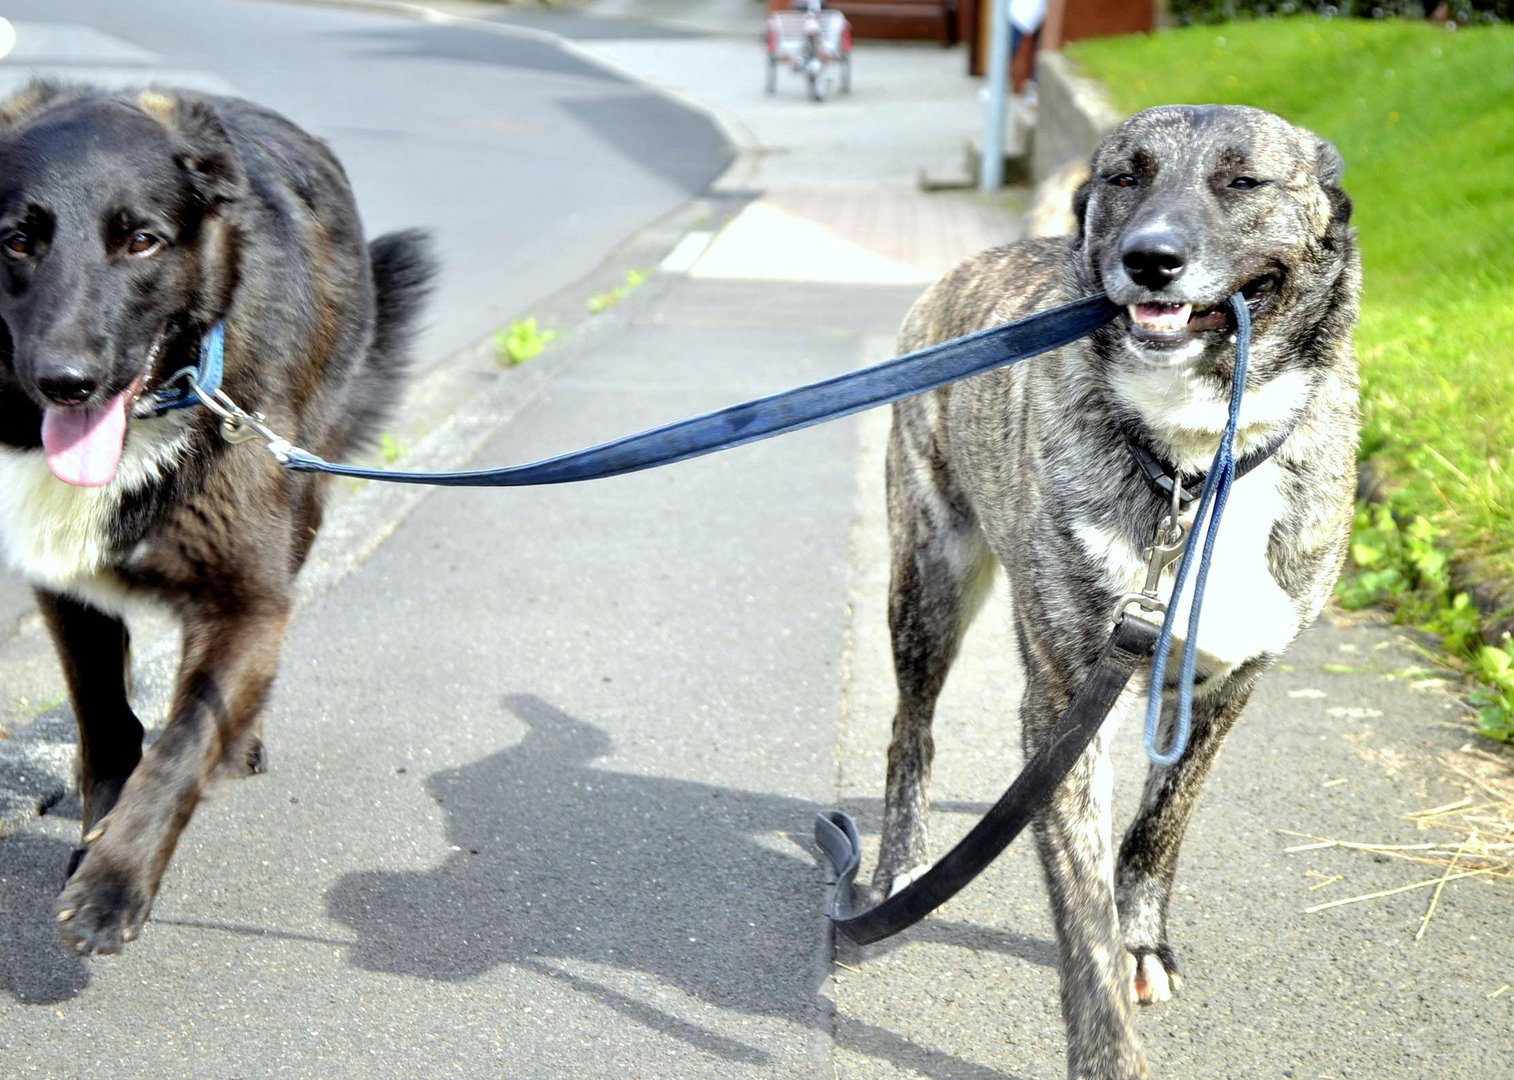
(248, 758)
(1155, 976)
(102, 907)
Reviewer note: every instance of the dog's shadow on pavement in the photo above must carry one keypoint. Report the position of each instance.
(34, 967)
(577, 873)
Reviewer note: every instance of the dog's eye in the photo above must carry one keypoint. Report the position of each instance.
(19, 244)
(143, 243)
(1245, 183)
(1124, 180)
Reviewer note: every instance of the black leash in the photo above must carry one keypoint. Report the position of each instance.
(1133, 640)
(1127, 648)
(830, 399)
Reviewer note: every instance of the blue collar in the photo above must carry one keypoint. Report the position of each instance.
(206, 375)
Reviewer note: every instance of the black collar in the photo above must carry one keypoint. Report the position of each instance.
(1160, 476)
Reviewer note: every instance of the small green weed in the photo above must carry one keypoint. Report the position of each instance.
(37, 708)
(523, 341)
(1400, 561)
(606, 300)
(1493, 666)
(390, 449)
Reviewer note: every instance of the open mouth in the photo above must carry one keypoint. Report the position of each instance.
(1166, 326)
(84, 444)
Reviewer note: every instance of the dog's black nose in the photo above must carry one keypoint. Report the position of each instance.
(66, 386)
(1153, 258)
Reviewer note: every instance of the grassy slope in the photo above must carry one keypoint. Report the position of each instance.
(1425, 120)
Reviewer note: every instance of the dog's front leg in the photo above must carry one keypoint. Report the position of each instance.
(940, 575)
(1074, 837)
(92, 648)
(1149, 854)
(228, 665)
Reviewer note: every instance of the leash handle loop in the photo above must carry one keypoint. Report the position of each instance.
(1127, 647)
(1206, 519)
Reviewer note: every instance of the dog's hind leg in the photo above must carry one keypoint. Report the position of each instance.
(92, 647)
(1149, 854)
(941, 572)
(230, 656)
(1074, 837)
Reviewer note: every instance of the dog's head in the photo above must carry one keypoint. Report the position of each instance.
(1187, 205)
(109, 208)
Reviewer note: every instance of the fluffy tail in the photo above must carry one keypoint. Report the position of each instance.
(403, 273)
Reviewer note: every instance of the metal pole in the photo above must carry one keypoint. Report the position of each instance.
(991, 168)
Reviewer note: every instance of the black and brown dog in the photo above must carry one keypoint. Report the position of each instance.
(131, 226)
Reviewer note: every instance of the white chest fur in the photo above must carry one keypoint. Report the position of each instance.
(58, 536)
(1246, 613)
(1187, 412)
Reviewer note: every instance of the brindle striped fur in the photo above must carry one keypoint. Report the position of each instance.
(1026, 469)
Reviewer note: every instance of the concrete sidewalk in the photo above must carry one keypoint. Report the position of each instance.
(543, 810)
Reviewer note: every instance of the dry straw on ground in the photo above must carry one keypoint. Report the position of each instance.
(1474, 835)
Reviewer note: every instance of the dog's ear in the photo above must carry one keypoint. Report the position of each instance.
(205, 151)
(30, 100)
(1329, 167)
(208, 156)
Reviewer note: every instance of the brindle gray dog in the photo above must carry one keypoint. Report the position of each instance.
(1032, 468)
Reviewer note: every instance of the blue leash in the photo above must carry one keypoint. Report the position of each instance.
(805, 406)
(830, 399)
(1216, 492)
(813, 403)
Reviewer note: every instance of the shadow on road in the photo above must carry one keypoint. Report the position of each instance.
(557, 864)
(34, 967)
(555, 858)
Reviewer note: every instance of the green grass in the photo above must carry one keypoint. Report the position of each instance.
(1425, 120)
(604, 301)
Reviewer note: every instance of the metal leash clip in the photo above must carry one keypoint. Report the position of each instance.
(1165, 549)
(238, 425)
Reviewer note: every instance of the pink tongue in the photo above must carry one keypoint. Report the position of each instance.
(83, 446)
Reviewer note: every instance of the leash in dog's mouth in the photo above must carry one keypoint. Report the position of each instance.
(1159, 324)
(1223, 472)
